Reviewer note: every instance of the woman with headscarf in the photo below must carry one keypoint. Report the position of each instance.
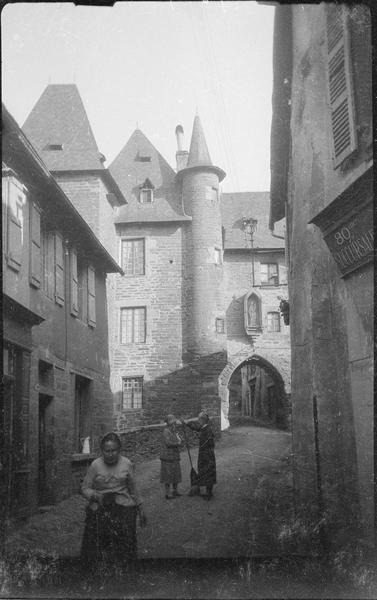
(114, 503)
(206, 456)
(170, 474)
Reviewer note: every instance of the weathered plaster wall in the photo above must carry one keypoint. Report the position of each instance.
(326, 326)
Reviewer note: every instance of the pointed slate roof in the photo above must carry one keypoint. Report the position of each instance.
(137, 162)
(199, 155)
(254, 205)
(59, 129)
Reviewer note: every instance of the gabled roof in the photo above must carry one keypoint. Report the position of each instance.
(21, 157)
(137, 162)
(254, 205)
(59, 129)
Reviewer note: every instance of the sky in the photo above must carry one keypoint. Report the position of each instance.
(152, 65)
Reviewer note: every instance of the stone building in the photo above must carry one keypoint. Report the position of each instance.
(181, 318)
(321, 181)
(55, 341)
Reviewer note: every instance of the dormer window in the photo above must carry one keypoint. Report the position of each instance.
(54, 147)
(146, 192)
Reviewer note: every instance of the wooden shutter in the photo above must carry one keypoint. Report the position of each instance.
(91, 296)
(35, 245)
(59, 269)
(74, 284)
(16, 201)
(340, 83)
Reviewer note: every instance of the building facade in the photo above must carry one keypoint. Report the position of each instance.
(56, 360)
(181, 318)
(321, 181)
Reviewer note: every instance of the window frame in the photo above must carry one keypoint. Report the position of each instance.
(268, 265)
(140, 379)
(220, 325)
(124, 240)
(121, 321)
(273, 321)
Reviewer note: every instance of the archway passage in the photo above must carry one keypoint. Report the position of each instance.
(254, 392)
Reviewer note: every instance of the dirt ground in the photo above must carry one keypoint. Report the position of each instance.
(186, 527)
(233, 546)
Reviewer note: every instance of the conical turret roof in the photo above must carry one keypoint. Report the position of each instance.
(59, 129)
(199, 155)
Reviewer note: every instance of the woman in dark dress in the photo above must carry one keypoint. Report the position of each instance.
(206, 456)
(114, 503)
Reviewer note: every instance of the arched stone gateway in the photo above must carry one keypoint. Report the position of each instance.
(269, 361)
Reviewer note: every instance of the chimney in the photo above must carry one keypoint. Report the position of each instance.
(181, 155)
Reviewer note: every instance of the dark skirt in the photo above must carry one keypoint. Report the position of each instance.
(170, 472)
(109, 535)
(206, 467)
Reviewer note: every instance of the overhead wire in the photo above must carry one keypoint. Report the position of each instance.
(224, 123)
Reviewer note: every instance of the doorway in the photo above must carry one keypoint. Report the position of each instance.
(46, 450)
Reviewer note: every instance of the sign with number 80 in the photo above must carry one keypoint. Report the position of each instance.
(343, 235)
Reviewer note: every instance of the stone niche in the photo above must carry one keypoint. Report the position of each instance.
(253, 313)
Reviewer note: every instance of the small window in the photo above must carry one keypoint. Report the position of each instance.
(146, 192)
(132, 393)
(217, 256)
(269, 274)
(54, 147)
(146, 196)
(133, 257)
(132, 325)
(273, 322)
(220, 325)
(142, 158)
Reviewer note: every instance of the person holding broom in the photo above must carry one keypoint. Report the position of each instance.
(170, 474)
(206, 475)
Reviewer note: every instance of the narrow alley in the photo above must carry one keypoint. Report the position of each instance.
(234, 546)
(188, 527)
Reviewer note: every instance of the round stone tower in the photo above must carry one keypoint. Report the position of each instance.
(199, 181)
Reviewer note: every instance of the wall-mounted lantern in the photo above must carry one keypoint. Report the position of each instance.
(249, 226)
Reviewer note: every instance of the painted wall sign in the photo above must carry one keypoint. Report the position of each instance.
(351, 243)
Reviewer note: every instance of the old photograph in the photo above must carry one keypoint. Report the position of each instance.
(187, 406)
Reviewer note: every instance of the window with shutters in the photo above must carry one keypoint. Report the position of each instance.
(59, 269)
(273, 322)
(132, 388)
(82, 290)
(133, 325)
(269, 274)
(47, 260)
(340, 88)
(74, 284)
(91, 296)
(35, 245)
(16, 201)
(133, 256)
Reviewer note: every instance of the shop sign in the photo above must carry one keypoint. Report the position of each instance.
(351, 243)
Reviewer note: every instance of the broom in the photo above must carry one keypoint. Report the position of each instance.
(193, 474)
